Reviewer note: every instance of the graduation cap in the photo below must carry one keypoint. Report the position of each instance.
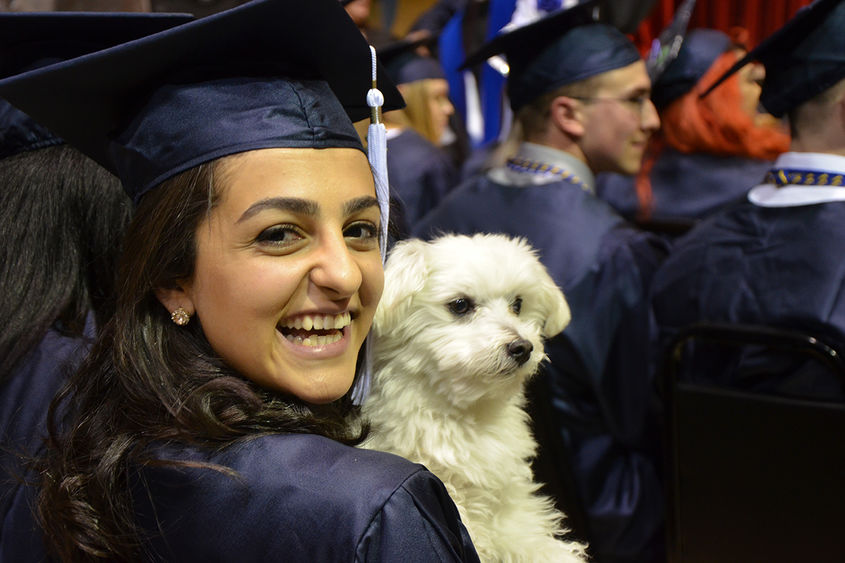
(404, 64)
(698, 52)
(803, 58)
(269, 73)
(32, 40)
(561, 48)
(667, 46)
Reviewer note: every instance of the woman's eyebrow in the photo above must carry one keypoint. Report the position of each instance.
(291, 204)
(358, 204)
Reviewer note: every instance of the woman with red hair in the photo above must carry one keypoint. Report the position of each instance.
(710, 150)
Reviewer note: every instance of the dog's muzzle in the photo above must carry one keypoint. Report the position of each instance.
(520, 350)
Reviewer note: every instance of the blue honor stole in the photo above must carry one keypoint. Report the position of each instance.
(796, 177)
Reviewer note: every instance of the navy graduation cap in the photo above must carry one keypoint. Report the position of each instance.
(405, 65)
(698, 52)
(32, 40)
(564, 47)
(803, 58)
(269, 73)
(666, 47)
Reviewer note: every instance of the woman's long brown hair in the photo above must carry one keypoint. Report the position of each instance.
(149, 381)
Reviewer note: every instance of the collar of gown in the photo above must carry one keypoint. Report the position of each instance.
(546, 155)
(792, 195)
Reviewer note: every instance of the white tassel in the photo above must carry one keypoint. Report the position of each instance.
(377, 155)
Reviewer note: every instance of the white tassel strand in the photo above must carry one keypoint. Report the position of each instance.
(377, 155)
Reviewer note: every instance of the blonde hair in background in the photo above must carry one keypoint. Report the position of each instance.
(417, 114)
(397, 119)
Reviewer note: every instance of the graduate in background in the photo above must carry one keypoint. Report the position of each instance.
(62, 217)
(421, 174)
(776, 258)
(709, 151)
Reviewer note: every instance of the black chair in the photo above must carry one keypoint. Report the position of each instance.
(751, 476)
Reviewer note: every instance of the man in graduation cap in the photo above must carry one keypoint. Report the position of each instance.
(709, 150)
(776, 258)
(580, 92)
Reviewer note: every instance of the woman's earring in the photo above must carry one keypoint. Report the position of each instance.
(180, 316)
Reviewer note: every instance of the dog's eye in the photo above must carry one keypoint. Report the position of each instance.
(516, 306)
(461, 306)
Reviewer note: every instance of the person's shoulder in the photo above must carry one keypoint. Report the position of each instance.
(716, 247)
(419, 523)
(709, 162)
(451, 215)
(631, 250)
(410, 150)
(738, 221)
(318, 463)
(554, 214)
(58, 347)
(29, 389)
(295, 495)
(598, 217)
(410, 138)
(571, 198)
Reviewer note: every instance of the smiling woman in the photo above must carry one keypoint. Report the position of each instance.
(310, 258)
(210, 421)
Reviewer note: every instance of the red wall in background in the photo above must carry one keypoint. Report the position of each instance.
(759, 17)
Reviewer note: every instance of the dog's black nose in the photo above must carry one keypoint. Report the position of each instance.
(520, 350)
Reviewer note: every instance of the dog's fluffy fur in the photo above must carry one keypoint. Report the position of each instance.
(451, 357)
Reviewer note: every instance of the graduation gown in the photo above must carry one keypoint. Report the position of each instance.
(24, 402)
(298, 497)
(598, 377)
(685, 187)
(420, 174)
(777, 261)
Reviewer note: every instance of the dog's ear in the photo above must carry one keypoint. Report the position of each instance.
(404, 273)
(553, 301)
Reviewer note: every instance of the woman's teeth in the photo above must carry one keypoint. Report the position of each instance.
(294, 329)
(318, 322)
(315, 340)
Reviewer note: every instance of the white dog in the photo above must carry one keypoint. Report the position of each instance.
(458, 332)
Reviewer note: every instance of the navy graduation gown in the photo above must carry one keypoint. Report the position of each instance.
(298, 497)
(24, 402)
(420, 174)
(685, 186)
(598, 377)
(781, 266)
